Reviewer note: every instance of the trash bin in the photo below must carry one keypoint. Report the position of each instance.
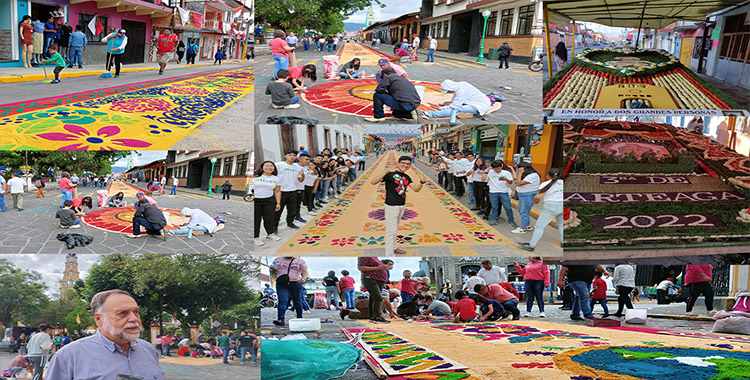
(493, 55)
(331, 65)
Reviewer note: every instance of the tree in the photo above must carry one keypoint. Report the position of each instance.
(97, 162)
(325, 16)
(22, 294)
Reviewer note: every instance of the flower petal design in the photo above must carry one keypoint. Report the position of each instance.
(108, 131)
(75, 129)
(55, 136)
(131, 143)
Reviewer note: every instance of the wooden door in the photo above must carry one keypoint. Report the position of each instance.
(136, 32)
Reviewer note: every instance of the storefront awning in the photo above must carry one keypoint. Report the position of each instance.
(627, 13)
(141, 8)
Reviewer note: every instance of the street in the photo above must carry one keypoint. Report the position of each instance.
(34, 229)
(434, 223)
(187, 107)
(349, 101)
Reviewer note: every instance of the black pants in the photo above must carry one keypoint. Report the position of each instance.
(180, 54)
(225, 195)
(58, 69)
(288, 200)
(698, 288)
(361, 165)
(568, 297)
(503, 59)
(459, 182)
(265, 210)
(375, 302)
(623, 300)
(298, 205)
(191, 58)
(308, 198)
(114, 58)
(661, 297)
(217, 60)
(449, 181)
(480, 193)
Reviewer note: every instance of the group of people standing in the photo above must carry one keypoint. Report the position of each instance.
(298, 180)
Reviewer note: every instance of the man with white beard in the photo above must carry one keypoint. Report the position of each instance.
(115, 351)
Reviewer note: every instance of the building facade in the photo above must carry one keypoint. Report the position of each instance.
(272, 140)
(193, 169)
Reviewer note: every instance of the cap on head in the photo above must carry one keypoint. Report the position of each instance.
(383, 61)
(139, 194)
(121, 31)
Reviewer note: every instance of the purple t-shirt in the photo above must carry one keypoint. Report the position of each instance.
(377, 275)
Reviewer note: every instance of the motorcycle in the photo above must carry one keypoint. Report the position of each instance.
(268, 301)
(250, 196)
(537, 64)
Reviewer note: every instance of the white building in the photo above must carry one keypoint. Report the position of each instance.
(271, 140)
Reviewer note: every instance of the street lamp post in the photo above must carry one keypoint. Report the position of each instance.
(486, 14)
(211, 178)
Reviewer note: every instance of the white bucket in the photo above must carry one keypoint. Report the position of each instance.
(331, 66)
(420, 91)
(304, 324)
(101, 198)
(636, 316)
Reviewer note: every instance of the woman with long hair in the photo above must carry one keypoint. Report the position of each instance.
(350, 70)
(527, 185)
(267, 200)
(26, 31)
(298, 75)
(80, 203)
(117, 200)
(323, 178)
(479, 183)
(561, 55)
(551, 191)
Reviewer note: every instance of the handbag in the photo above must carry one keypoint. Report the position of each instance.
(283, 280)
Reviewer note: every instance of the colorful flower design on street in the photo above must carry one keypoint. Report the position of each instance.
(102, 139)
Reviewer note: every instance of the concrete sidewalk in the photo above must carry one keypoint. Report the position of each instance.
(20, 74)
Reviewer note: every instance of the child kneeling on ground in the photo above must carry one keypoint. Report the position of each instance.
(67, 216)
(490, 310)
(282, 93)
(59, 62)
(466, 308)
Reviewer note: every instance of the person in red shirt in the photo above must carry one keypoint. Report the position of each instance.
(80, 202)
(347, 288)
(165, 44)
(407, 287)
(466, 308)
(599, 293)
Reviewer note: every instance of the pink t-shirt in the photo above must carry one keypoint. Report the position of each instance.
(295, 72)
(692, 273)
(346, 282)
(282, 267)
(497, 293)
(535, 271)
(399, 70)
(65, 184)
(277, 47)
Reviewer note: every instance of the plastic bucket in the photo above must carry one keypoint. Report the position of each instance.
(331, 66)
(101, 198)
(636, 316)
(304, 324)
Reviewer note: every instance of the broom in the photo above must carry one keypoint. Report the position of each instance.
(107, 73)
(46, 79)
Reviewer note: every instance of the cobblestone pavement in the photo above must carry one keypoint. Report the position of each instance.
(34, 229)
(522, 107)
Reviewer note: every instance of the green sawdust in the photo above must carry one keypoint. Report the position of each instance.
(452, 375)
(731, 369)
(653, 343)
(559, 348)
(413, 361)
(632, 355)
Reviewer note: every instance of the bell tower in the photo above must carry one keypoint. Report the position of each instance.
(70, 275)
(370, 18)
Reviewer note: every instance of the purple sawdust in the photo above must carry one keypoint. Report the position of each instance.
(446, 365)
(583, 378)
(727, 346)
(536, 353)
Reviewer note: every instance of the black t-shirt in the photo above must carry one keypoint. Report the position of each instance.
(330, 280)
(245, 341)
(395, 188)
(408, 309)
(581, 273)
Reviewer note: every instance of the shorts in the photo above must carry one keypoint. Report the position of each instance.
(29, 42)
(164, 58)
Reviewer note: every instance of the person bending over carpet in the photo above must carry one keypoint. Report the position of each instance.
(350, 70)
(298, 75)
(398, 93)
(147, 215)
(199, 222)
(466, 99)
(282, 93)
(117, 200)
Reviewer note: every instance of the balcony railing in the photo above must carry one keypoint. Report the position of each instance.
(211, 24)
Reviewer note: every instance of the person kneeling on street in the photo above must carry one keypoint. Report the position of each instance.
(398, 93)
(147, 215)
(67, 216)
(199, 222)
(282, 93)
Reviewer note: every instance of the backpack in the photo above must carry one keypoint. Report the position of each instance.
(742, 302)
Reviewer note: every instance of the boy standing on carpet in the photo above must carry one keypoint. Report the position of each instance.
(290, 173)
(396, 181)
(165, 43)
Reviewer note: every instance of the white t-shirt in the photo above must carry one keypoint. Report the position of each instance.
(2, 181)
(461, 165)
(175, 182)
(342, 170)
(163, 180)
(497, 184)
(450, 165)
(415, 43)
(533, 184)
(664, 285)
(355, 159)
(264, 186)
(309, 177)
(478, 174)
(16, 185)
(288, 176)
(555, 193)
(433, 44)
(470, 166)
(470, 282)
(442, 166)
(495, 275)
(301, 182)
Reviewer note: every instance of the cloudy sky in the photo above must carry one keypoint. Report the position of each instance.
(318, 267)
(51, 267)
(145, 157)
(393, 8)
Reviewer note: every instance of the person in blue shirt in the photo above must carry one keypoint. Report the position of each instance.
(192, 51)
(219, 55)
(49, 35)
(115, 49)
(77, 42)
(491, 310)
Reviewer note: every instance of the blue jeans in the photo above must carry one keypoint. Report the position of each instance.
(307, 48)
(600, 301)
(352, 173)
(512, 306)
(330, 47)
(430, 55)
(549, 212)
(452, 112)
(349, 298)
(399, 109)
(355, 74)
(534, 289)
(116, 203)
(174, 190)
(189, 230)
(498, 199)
(48, 41)
(225, 350)
(76, 57)
(279, 63)
(303, 298)
(322, 188)
(66, 196)
(472, 200)
(288, 294)
(525, 202)
(252, 350)
(406, 297)
(165, 349)
(581, 289)
(338, 182)
(139, 221)
(2, 202)
(294, 100)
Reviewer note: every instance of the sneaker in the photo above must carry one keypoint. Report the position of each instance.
(75, 226)
(291, 106)
(424, 115)
(293, 226)
(133, 236)
(61, 226)
(80, 67)
(529, 229)
(374, 119)
(576, 318)
(117, 75)
(163, 233)
(278, 322)
(526, 246)
(70, 66)
(380, 320)
(691, 313)
(527, 315)
(312, 212)
(542, 315)
(492, 222)
(161, 72)
(318, 205)
(711, 313)
(274, 237)
(343, 313)
(258, 241)
(299, 219)
(276, 107)
(513, 224)
(399, 251)
(415, 114)
(336, 196)
(519, 230)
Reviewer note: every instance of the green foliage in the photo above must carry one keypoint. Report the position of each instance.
(325, 16)
(98, 162)
(22, 297)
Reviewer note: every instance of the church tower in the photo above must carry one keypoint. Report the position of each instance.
(70, 275)
(370, 18)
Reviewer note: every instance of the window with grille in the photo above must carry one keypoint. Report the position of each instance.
(227, 166)
(506, 19)
(241, 164)
(492, 24)
(84, 19)
(525, 19)
(445, 29)
(735, 40)
(439, 33)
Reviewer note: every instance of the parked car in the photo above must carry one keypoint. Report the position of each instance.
(7, 344)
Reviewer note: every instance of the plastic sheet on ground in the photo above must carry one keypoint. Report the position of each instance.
(306, 359)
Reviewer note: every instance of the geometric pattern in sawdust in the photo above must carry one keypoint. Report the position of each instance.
(366, 55)
(398, 356)
(354, 97)
(147, 115)
(120, 219)
(489, 331)
(442, 375)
